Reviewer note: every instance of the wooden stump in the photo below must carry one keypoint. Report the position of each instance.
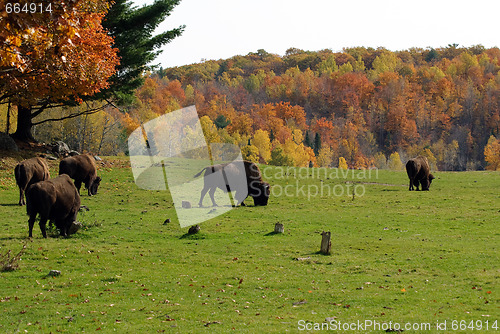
(326, 243)
(278, 228)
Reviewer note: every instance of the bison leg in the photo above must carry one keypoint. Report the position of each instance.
(211, 193)
(417, 184)
(43, 223)
(239, 198)
(78, 185)
(411, 185)
(21, 197)
(203, 193)
(64, 230)
(31, 223)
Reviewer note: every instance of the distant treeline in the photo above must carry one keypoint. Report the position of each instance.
(361, 107)
(363, 102)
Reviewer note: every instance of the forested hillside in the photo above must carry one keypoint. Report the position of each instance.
(365, 104)
(369, 107)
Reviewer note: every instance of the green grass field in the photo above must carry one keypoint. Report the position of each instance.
(397, 256)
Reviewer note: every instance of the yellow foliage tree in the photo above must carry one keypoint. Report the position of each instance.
(380, 160)
(297, 136)
(342, 163)
(300, 155)
(325, 157)
(492, 153)
(394, 162)
(263, 143)
(209, 130)
(250, 153)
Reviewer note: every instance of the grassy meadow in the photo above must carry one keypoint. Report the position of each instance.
(397, 256)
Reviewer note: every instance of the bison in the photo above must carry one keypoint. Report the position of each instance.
(28, 172)
(81, 168)
(56, 200)
(243, 177)
(418, 171)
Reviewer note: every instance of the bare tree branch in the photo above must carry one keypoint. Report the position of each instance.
(73, 115)
(40, 110)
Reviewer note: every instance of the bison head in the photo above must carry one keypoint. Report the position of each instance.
(75, 226)
(93, 187)
(426, 183)
(260, 192)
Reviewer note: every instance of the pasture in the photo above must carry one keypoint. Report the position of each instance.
(397, 256)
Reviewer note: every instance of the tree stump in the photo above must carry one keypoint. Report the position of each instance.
(326, 243)
(278, 228)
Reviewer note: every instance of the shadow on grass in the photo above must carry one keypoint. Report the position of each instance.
(197, 236)
(273, 233)
(10, 204)
(20, 237)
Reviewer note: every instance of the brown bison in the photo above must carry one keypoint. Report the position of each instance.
(243, 177)
(418, 171)
(81, 168)
(56, 200)
(28, 172)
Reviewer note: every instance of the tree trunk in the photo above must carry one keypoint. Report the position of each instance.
(24, 124)
(279, 228)
(326, 243)
(7, 130)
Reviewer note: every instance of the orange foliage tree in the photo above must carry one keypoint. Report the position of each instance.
(492, 153)
(52, 59)
(364, 103)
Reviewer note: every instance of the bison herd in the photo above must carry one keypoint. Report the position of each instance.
(58, 199)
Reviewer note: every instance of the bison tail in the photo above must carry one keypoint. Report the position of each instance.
(198, 174)
(20, 174)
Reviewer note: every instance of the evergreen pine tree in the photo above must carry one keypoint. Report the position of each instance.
(307, 140)
(317, 144)
(132, 29)
(221, 122)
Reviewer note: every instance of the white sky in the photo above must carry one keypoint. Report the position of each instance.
(220, 29)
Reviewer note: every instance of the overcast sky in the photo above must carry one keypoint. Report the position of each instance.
(219, 29)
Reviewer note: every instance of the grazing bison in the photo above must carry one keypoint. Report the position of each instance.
(28, 172)
(243, 177)
(81, 168)
(56, 200)
(418, 171)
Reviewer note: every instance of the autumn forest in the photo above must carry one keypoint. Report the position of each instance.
(362, 104)
(358, 108)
